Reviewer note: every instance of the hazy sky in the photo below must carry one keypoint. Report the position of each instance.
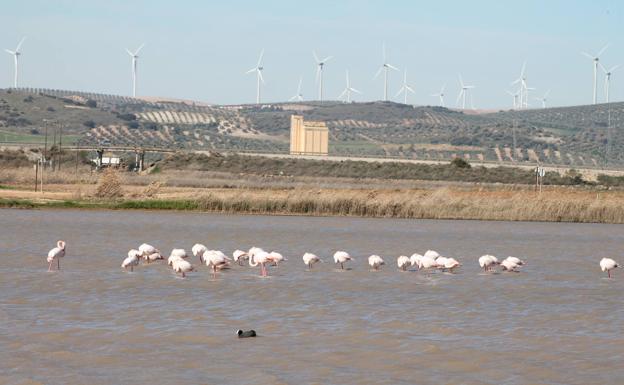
(201, 50)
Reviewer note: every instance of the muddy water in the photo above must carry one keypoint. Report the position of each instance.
(556, 322)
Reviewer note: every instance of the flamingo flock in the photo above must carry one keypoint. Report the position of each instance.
(216, 260)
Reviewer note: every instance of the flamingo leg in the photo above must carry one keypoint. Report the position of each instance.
(341, 266)
(58, 263)
(50, 267)
(609, 273)
(131, 268)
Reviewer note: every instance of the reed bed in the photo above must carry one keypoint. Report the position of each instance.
(556, 205)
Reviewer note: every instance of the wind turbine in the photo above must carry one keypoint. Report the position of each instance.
(298, 96)
(463, 91)
(441, 96)
(258, 70)
(515, 98)
(607, 82)
(543, 99)
(385, 67)
(347, 91)
(404, 88)
(16, 55)
(319, 72)
(134, 57)
(523, 88)
(595, 59)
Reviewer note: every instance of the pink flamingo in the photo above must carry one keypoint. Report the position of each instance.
(56, 253)
(257, 256)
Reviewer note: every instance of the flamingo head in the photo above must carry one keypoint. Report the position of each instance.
(61, 245)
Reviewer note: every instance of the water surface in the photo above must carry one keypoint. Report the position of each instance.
(557, 322)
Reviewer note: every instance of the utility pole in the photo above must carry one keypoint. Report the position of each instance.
(60, 157)
(53, 149)
(77, 142)
(45, 147)
(608, 149)
(513, 134)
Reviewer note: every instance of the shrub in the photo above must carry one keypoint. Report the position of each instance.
(89, 123)
(460, 163)
(91, 103)
(109, 185)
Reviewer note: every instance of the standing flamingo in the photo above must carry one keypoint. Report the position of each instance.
(56, 253)
(375, 261)
(146, 249)
(415, 259)
(132, 259)
(310, 259)
(403, 262)
(257, 256)
(240, 256)
(198, 250)
(450, 264)
(608, 264)
(487, 262)
(341, 257)
(276, 258)
(182, 266)
(215, 259)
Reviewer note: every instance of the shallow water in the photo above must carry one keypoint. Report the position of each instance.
(556, 322)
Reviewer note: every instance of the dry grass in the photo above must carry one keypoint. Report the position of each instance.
(109, 185)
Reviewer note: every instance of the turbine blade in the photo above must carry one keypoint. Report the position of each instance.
(129, 53)
(260, 58)
(354, 90)
(603, 49)
(315, 57)
(138, 49)
(461, 93)
(461, 81)
(546, 94)
(383, 51)
(588, 55)
(523, 68)
(392, 67)
(602, 68)
(614, 68)
(328, 58)
(251, 70)
(399, 93)
(378, 72)
(261, 77)
(9, 51)
(409, 89)
(343, 93)
(20, 44)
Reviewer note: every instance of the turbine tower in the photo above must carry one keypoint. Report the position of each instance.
(515, 98)
(319, 72)
(404, 88)
(522, 90)
(543, 99)
(441, 96)
(346, 94)
(462, 93)
(595, 59)
(385, 66)
(607, 82)
(134, 57)
(16, 55)
(258, 70)
(298, 96)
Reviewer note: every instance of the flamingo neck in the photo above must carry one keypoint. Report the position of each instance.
(252, 261)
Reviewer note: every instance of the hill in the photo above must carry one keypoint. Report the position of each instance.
(572, 136)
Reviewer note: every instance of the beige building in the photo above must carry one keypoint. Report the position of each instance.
(307, 138)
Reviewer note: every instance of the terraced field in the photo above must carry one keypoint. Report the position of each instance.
(574, 136)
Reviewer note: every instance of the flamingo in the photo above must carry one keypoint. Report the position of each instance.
(431, 254)
(198, 250)
(415, 259)
(257, 256)
(375, 261)
(56, 253)
(515, 260)
(176, 254)
(427, 262)
(608, 264)
(152, 257)
(403, 262)
(182, 266)
(487, 262)
(341, 257)
(132, 260)
(146, 249)
(215, 259)
(450, 264)
(276, 257)
(509, 264)
(240, 256)
(310, 259)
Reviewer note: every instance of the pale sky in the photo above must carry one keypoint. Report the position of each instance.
(200, 50)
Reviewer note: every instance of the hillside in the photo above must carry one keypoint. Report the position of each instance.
(574, 136)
